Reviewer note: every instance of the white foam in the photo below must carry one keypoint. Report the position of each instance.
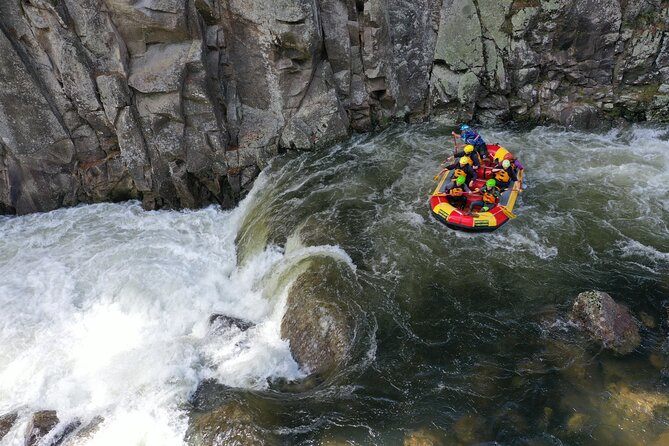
(105, 312)
(633, 248)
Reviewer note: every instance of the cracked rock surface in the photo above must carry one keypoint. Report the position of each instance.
(181, 103)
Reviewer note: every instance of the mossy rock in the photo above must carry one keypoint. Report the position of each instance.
(424, 437)
(606, 321)
(231, 424)
(318, 321)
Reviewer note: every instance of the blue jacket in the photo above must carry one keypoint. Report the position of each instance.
(471, 136)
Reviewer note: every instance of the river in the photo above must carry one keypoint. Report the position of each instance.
(105, 308)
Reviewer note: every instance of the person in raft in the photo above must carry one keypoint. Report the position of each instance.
(490, 197)
(471, 136)
(456, 191)
(469, 151)
(515, 163)
(504, 173)
(463, 167)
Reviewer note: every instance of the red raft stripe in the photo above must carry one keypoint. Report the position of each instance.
(464, 220)
(499, 215)
(434, 201)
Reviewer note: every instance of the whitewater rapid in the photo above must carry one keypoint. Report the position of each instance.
(105, 312)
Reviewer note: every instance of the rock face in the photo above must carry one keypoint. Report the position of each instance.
(606, 321)
(182, 103)
(317, 322)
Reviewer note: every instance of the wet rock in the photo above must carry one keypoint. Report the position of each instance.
(221, 322)
(318, 322)
(424, 437)
(606, 321)
(581, 117)
(298, 386)
(233, 423)
(58, 438)
(6, 423)
(85, 434)
(41, 423)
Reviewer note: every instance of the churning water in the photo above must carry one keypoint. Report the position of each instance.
(105, 309)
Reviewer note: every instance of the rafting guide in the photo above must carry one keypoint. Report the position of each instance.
(472, 137)
(478, 186)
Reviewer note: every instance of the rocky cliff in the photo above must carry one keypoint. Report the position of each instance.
(181, 103)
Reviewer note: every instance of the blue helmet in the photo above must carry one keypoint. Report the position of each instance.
(464, 127)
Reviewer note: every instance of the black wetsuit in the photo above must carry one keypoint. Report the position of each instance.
(455, 194)
(486, 199)
(467, 169)
(473, 155)
(503, 181)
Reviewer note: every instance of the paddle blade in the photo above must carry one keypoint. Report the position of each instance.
(507, 212)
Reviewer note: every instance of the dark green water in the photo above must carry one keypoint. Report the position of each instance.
(472, 340)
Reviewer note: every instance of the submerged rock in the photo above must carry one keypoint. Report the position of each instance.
(7, 422)
(647, 320)
(424, 437)
(639, 405)
(606, 321)
(318, 322)
(61, 434)
(657, 360)
(221, 321)
(233, 423)
(40, 425)
(577, 422)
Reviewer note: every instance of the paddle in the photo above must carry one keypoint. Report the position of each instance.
(450, 158)
(449, 194)
(436, 177)
(507, 212)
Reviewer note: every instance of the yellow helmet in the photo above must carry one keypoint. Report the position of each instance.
(465, 160)
(469, 148)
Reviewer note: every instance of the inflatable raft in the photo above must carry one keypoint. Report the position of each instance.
(444, 207)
